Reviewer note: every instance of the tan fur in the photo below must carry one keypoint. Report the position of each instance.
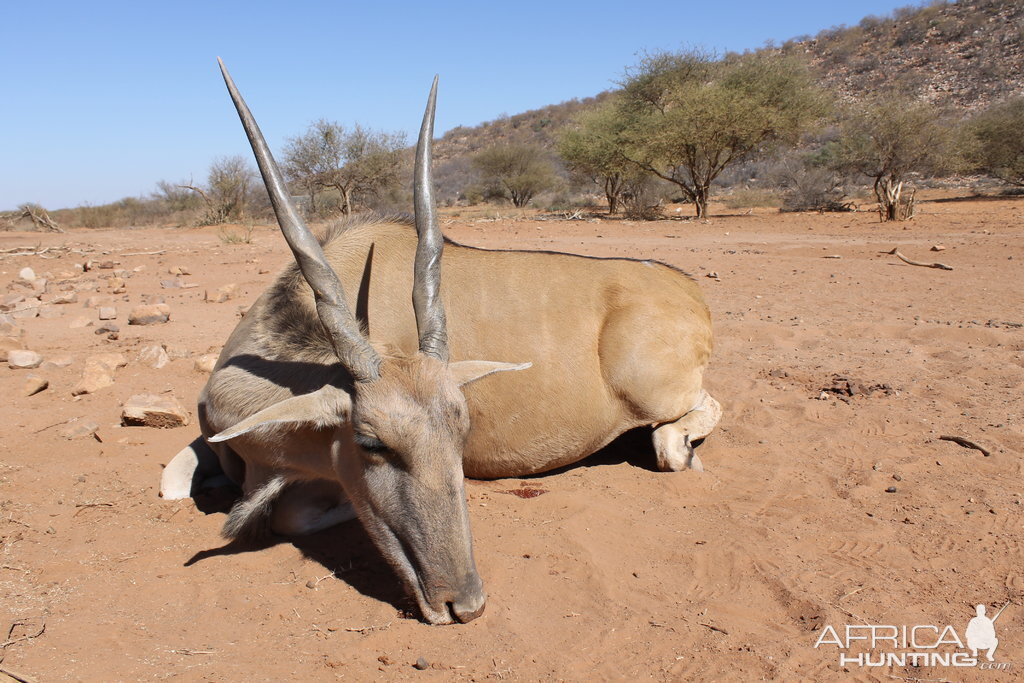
(613, 343)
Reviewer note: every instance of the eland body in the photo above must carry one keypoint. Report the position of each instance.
(321, 414)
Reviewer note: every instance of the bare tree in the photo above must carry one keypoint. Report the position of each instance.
(227, 190)
(359, 162)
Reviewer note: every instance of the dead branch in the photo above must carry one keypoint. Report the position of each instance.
(959, 440)
(11, 641)
(895, 252)
(202, 194)
(145, 253)
(714, 628)
(15, 676)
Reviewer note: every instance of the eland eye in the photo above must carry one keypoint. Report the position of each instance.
(370, 443)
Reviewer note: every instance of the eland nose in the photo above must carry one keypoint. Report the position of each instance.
(471, 600)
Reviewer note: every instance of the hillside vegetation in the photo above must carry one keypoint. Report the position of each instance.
(953, 61)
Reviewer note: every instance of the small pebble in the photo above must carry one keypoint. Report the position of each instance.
(421, 664)
(891, 489)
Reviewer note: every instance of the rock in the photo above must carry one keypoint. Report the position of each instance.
(8, 328)
(23, 359)
(78, 429)
(149, 314)
(222, 294)
(116, 283)
(27, 274)
(154, 356)
(8, 344)
(26, 310)
(34, 384)
(56, 363)
(891, 489)
(150, 410)
(176, 351)
(112, 330)
(65, 298)
(178, 270)
(938, 247)
(106, 265)
(79, 322)
(108, 313)
(171, 284)
(50, 312)
(205, 363)
(421, 664)
(95, 301)
(98, 373)
(8, 302)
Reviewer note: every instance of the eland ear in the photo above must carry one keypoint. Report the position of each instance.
(467, 371)
(325, 407)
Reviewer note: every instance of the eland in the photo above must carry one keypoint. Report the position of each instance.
(338, 397)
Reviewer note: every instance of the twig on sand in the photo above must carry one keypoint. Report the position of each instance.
(895, 252)
(30, 636)
(714, 628)
(188, 651)
(145, 253)
(961, 441)
(82, 506)
(366, 629)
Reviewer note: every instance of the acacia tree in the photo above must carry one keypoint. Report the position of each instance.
(358, 162)
(994, 141)
(228, 189)
(887, 139)
(688, 116)
(518, 171)
(592, 148)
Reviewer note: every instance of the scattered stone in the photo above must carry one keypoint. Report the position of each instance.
(149, 314)
(27, 274)
(8, 344)
(106, 265)
(79, 322)
(23, 359)
(8, 328)
(98, 373)
(116, 283)
(938, 247)
(8, 302)
(34, 384)
(421, 664)
(178, 270)
(50, 312)
(713, 275)
(222, 294)
(112, 330)
(891, 489)
(897, 477)
(205, 363)
(150, 410)
(78, 429)
(26, 310)
(176, 351)
(154, 356)
(97, 300)
(171, 284)
(40, 286)
(108, 313)
(56, 363)
(65, 298)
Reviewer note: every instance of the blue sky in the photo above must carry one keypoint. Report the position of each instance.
(103, 99)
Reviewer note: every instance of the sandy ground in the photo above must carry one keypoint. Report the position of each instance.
(816, 510)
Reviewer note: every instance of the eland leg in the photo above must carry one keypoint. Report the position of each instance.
(673, 442)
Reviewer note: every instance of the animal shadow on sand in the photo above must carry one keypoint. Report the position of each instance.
(346, 550)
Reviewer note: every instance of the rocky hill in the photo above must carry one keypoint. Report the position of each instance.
(964, 55)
